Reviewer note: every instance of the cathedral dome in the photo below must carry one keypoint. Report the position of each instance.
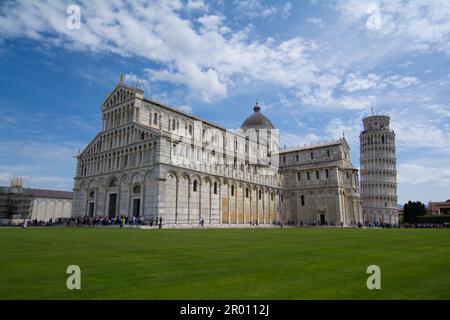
(257, 120)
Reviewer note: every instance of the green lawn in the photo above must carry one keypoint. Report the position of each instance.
(224, 264)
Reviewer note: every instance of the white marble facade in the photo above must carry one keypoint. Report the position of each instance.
(151, 160)
(378, 170)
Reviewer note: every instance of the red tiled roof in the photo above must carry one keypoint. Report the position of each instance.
(42, 193)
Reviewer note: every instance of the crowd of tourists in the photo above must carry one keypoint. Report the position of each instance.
(426, 225)
(123, 221)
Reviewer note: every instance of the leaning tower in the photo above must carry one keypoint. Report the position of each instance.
(378, 170)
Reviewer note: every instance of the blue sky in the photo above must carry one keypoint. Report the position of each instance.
(316, 68)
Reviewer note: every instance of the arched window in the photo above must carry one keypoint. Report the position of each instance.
(142, 135)
(302, 200)
(194, 188)
(92, 194)
(137, 189)
(246, 192)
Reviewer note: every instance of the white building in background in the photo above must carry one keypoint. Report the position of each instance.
(18, 203)
(154, 161)
(378, 163)
(320, 184)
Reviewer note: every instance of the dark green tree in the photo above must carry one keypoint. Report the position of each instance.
(412, 210)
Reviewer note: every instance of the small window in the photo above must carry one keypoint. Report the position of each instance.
(271, 196)
(299, 176)
(137, 190)
(246, 192)
(232, 191)
(308, 176)
(302, 200)
(174, 125)
(327, 173)
(328, 153)
(296, 157)
(155, 118)
(195, 186)
(215, 187)
(260, 195)
(312, 155)
(284, 159)
(190, 130)
(317, 175)
(92, 194)
(142, 136)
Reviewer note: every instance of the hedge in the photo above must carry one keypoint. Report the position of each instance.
(434, 219)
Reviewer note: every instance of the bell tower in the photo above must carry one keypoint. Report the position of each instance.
(378, 164)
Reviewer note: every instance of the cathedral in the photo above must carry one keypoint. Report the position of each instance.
(154, 161)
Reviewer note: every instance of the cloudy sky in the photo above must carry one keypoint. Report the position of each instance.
(316, 67)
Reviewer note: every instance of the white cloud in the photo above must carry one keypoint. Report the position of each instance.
(440, 110)
(211, 22)
(401, 82)
(416, 131)
(317, 21)
(207, 58)
(187, 109)
(40, 150)
(355, 82)
(421, 25)
(40, 164)
(297, 140)
(196, 5)
(416, 174)
(252, 9)
(286, 11)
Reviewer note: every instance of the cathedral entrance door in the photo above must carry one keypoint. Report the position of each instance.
(112, 206)
(91, 209)
(322, 219)
(136, 207)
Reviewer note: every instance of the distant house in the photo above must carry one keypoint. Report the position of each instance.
(17, 203)
(439, 208)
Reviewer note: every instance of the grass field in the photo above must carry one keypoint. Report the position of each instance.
(224, 264)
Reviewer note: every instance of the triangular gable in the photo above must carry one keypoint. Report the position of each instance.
(121, 93)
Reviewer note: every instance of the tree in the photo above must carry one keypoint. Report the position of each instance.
(412, 210)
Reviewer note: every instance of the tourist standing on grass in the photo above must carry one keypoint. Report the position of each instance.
(123, 222)
(160, 222)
